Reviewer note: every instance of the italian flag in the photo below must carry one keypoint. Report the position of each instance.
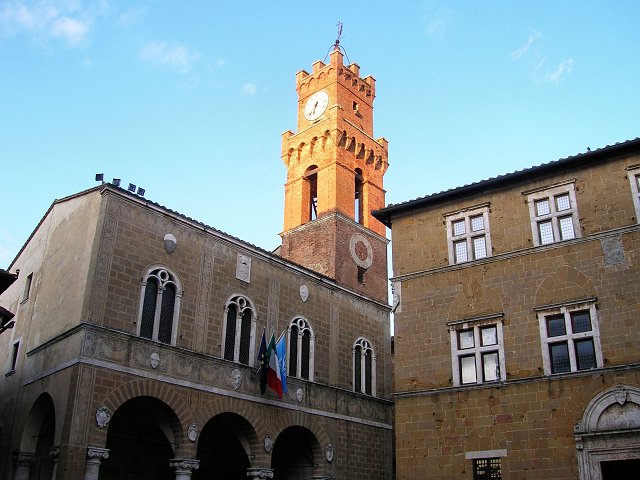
(274, 380)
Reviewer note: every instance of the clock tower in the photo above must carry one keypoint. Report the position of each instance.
(335, 170)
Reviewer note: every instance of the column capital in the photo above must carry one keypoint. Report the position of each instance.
(259, 473)
(97, 453)
(24, 458)
(184, 463)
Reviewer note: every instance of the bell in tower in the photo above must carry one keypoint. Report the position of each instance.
(335, 170)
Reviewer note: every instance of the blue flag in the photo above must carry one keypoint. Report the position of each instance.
(281, 351)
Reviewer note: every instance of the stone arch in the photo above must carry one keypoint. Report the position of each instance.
(161, 391)
(311, 423)
(473, 300)
(38, 436)
(564, 283)
(143, 436)
(297, 453)
(608, 435)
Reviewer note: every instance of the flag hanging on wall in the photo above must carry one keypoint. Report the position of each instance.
(273, 375)
(263, 364)
(281, 349)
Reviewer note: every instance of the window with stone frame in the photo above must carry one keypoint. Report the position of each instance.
(239, 330)
(477, 350)
(468, 234)
(487, 468)
(160, 297)
(554, 213)
(364, 367)
(301, 349)
(570, 337)
(633, 173)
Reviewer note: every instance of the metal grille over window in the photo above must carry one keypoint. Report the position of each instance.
(364, 367)
(570, 338)
(487, 468)
(240, 322)
(468, 235)
(301, 349)
(159, 306)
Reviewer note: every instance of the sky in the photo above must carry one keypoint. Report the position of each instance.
(189, 99)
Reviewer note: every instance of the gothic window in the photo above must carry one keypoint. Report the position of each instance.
(359, 199)
(159, 305)
(239, 330)
(364, 367)
(310, 193)
(301, 349)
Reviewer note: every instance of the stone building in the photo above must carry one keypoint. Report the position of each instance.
(517, 324)
(133, 354)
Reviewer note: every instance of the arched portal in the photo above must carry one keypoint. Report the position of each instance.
(38, 436)
(224, 448)
(608, 436)
(294, 454)
(141, 441)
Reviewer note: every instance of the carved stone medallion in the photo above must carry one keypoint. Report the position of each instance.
(236, 378)
(620, 394)
(329, 453)
(268, 444)
(304, 292)
(192, 432)
(169, 243)
(103, 415)
(299, 394)
(154, 360)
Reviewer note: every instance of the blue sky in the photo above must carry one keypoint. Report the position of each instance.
(189, 99)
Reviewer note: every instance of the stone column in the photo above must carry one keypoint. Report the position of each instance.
(22, 465)
(95, 455)
(54, 453)
(184, 467)
(259, 473)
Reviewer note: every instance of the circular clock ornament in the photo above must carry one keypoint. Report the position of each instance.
(356, 239)
(316, 105)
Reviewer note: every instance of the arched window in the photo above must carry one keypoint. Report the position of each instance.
(310, 192)
(364, 367)
(159, 305)
(359, 198)
(301, 349)
(239, 330)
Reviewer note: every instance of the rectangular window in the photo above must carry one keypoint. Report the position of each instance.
(27, 287)
(554, 214)
(634, 180)
(570, 337)
(487, 468)
(468, 235)
(477, 351)
(14, 355)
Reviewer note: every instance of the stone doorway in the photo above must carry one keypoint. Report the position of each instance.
(38, 437)
(608, 436)
(295, 454)
(224, 448)
(141, 441)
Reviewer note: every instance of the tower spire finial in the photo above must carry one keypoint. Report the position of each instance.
(336, 46)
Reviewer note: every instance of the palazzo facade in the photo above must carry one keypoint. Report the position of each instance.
(133, 353)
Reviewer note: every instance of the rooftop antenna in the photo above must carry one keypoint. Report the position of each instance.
(336, 45)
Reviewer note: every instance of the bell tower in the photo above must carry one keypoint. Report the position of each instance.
(335, 170)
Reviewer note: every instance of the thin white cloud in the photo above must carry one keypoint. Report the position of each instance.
(249, 89)
(175, 57)
(72, 30)
(47, 20)
(436, 24)
(562, 70)
(533, 36)
(130, 17)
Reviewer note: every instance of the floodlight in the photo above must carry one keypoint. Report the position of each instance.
(132, 188)
(141, 191)
(116, 182)
(99, 177)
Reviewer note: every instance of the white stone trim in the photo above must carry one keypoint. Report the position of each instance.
(485, 454)
(175, 280)
(633, 174)
(478, 349)
(566, 309)
(468, 236)
(364, 345)
(302, 324)
(254, 322)
(550, 194)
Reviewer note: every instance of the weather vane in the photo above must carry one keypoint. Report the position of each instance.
(336, 46)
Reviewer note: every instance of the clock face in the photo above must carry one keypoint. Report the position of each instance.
(316, 105)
